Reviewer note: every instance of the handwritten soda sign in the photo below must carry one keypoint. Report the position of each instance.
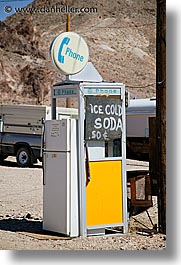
(103, 118)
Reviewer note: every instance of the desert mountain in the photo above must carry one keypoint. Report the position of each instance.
(120, 36)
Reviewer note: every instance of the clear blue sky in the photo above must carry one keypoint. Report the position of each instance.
(11, 4)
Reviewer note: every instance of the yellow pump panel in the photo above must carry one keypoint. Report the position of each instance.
(104, 193)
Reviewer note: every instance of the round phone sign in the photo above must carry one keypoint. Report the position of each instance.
(69, 53)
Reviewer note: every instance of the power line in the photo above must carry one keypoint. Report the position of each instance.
(117, 27)
(95, 27)
(140, 86)
(9, 1)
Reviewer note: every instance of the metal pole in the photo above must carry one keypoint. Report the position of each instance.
(124, 174)
(53, 106)
(161, 112)
(82, 182)
(68, 100)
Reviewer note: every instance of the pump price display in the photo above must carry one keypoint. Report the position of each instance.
(103, 118)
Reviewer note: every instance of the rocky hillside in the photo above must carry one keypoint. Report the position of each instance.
(120, 36)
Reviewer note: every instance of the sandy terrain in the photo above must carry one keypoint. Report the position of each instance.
(21, 217)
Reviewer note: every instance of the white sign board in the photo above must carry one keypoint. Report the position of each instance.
(69, 53)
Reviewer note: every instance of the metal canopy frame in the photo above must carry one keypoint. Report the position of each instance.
(80, 90)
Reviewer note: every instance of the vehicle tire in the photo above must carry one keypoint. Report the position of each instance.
(23, 157)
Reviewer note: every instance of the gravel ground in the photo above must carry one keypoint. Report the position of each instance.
(21, 193)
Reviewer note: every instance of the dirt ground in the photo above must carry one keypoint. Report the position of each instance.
(21, 217)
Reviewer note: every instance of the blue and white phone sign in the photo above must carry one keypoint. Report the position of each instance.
(69, 53)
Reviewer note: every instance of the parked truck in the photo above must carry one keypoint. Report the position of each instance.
(21, 131)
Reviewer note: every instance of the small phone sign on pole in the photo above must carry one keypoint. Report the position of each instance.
(64, 92)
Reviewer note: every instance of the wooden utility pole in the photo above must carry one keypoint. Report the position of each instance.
(68, 100)
(161, 112)
(68, 22)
